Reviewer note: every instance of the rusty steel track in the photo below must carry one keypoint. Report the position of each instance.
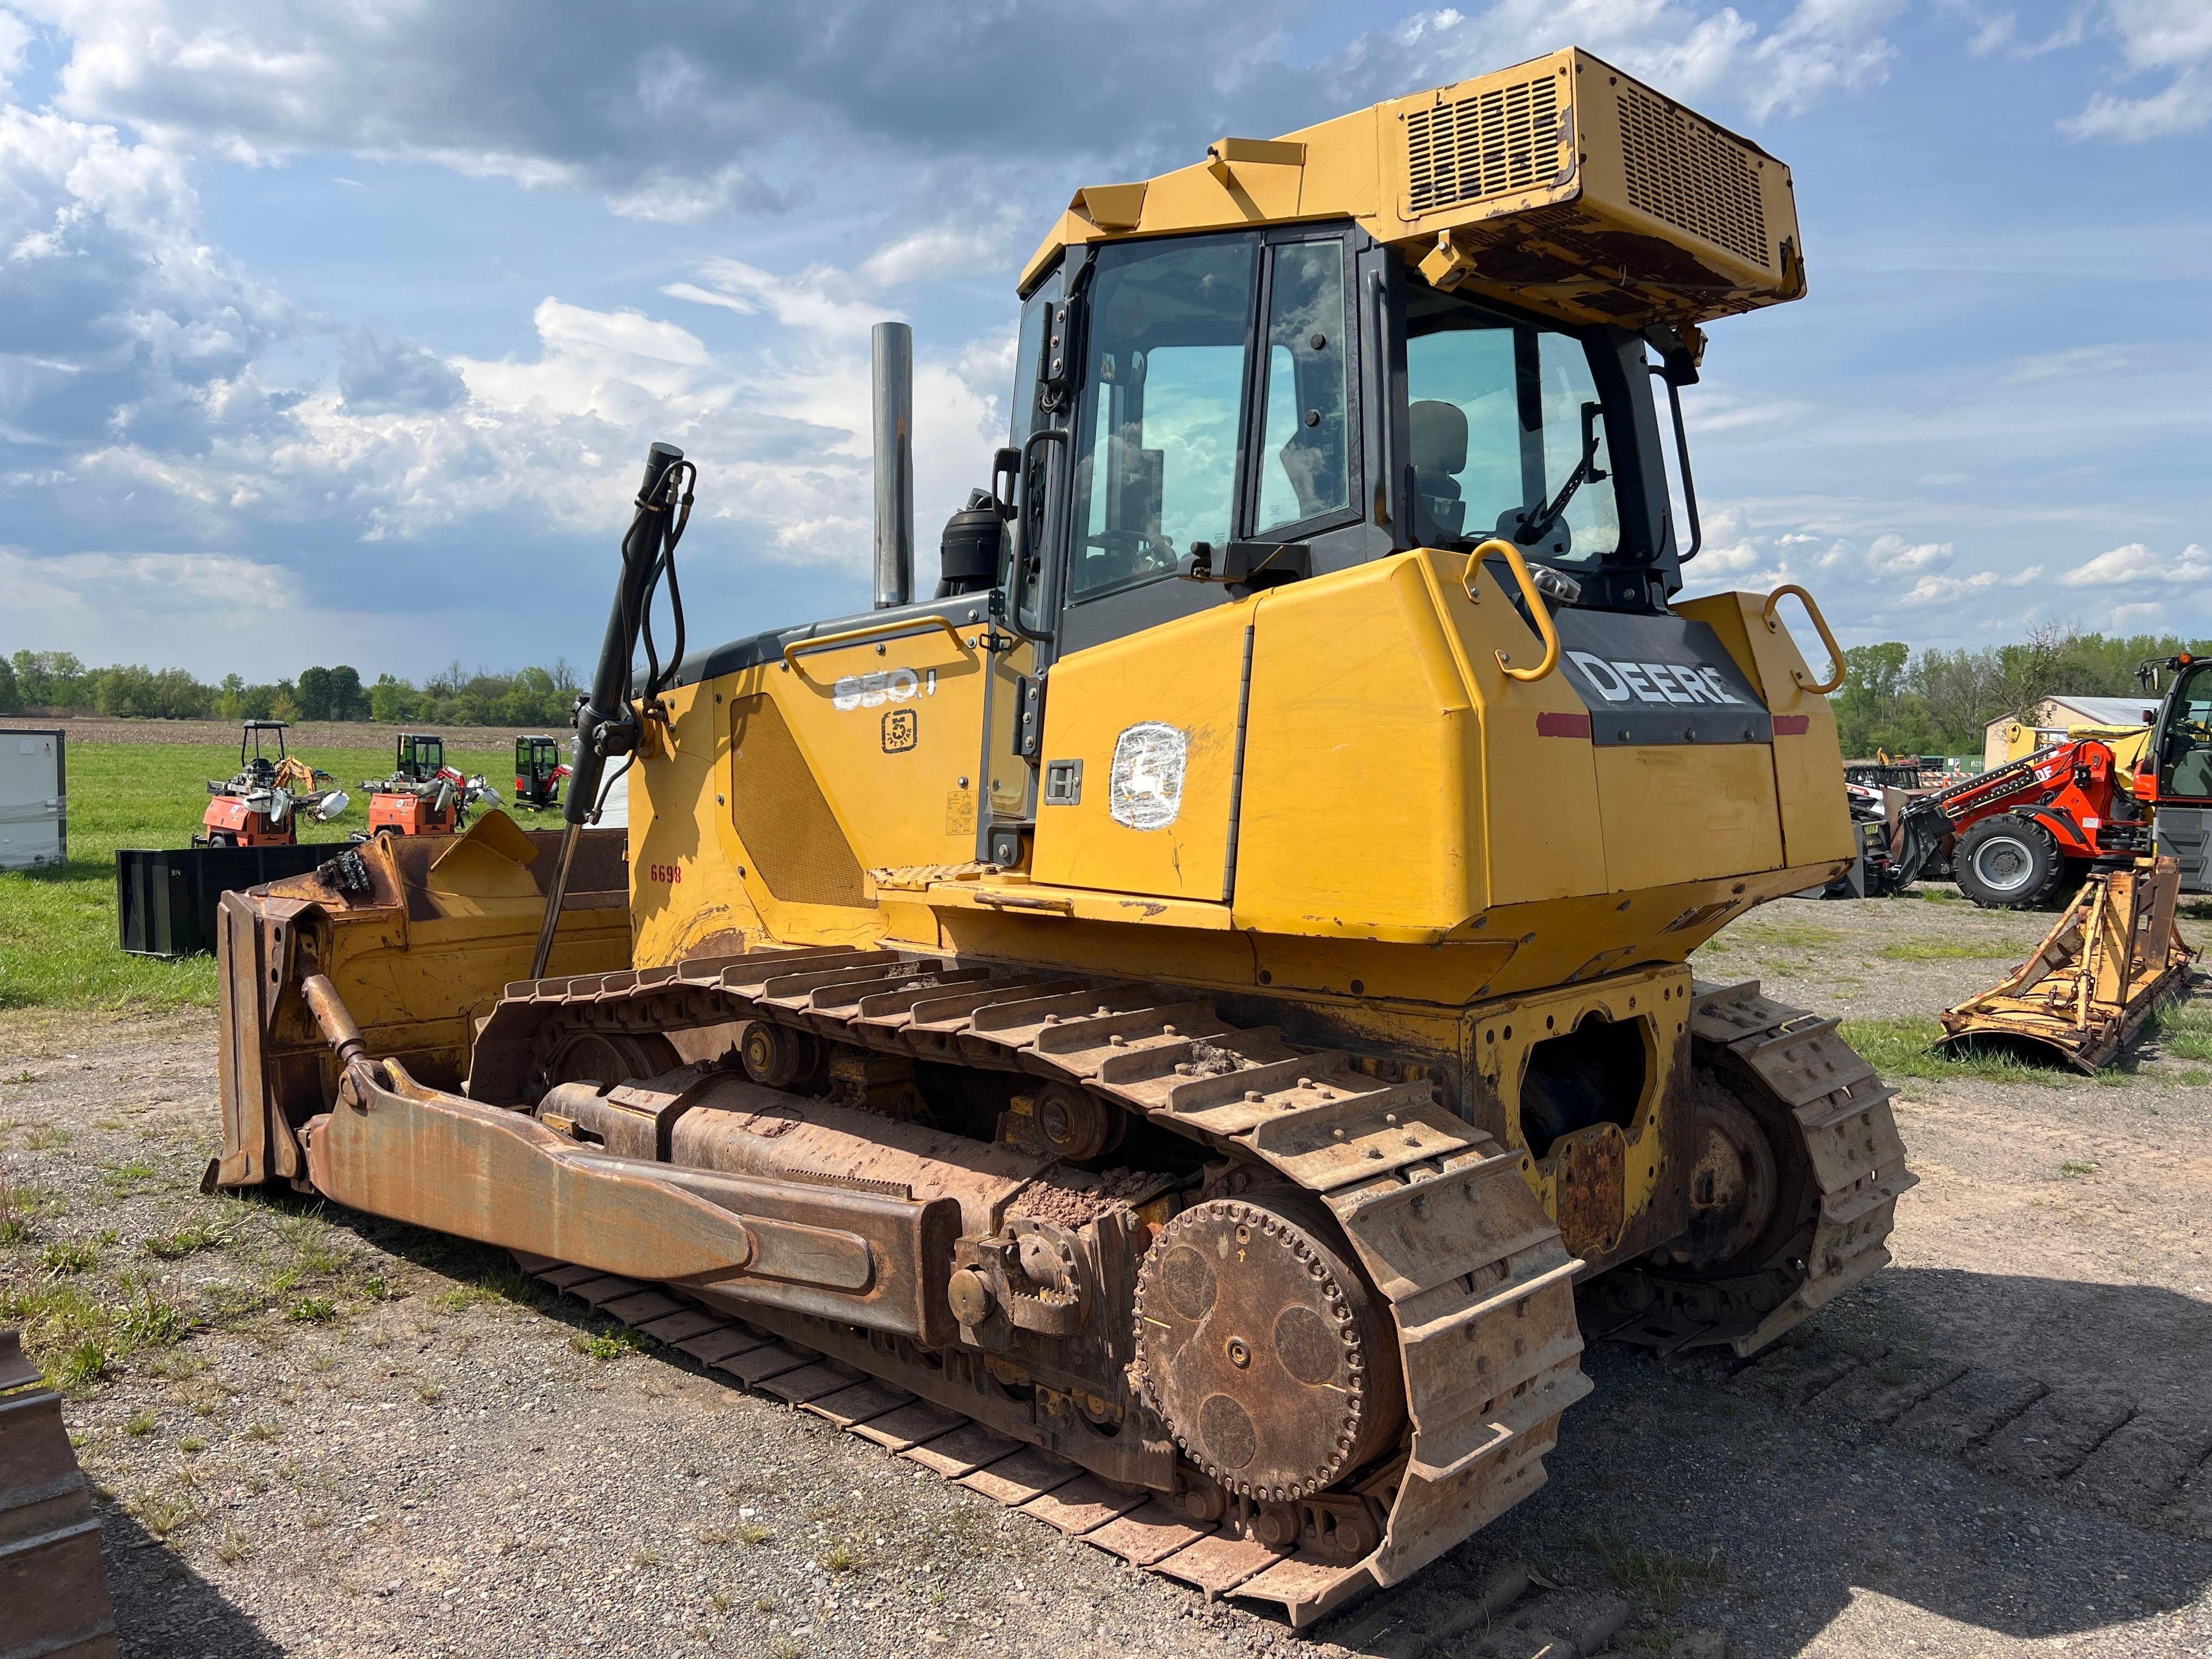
(1800, 1078)
(1478, 1285)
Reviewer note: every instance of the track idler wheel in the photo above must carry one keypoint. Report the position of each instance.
(610, 1057)
(1265, 1352)
(1735, 1186)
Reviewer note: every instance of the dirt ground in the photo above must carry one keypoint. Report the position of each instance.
(301, 734)
(352, 1438)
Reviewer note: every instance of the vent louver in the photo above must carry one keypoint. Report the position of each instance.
(1490, 144)
(1681, 171)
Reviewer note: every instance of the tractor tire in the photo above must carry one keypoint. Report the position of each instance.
(2009, 863)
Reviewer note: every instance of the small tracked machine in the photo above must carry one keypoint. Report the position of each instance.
(1188, 1027)
(539, 772)
(422, 796)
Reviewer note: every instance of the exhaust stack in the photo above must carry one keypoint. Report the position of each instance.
(892, 346)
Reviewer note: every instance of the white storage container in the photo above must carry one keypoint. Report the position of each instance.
(33, 797)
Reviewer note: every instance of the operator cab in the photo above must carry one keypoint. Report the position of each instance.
(259, 769)
(1200, 417)
(420, 758)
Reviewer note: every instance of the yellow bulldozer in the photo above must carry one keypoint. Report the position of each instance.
(1187, 1027)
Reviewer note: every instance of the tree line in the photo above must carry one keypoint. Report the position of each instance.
(55, 682)
(1939, 702)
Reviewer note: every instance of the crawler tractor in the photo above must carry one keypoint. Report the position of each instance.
(1189, 1028)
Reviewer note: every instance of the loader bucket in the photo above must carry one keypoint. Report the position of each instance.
(419, 934)
(2112, 958)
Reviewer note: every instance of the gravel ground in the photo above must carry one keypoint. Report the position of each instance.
(316, 1433)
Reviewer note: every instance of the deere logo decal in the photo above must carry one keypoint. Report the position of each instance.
(1618, 681)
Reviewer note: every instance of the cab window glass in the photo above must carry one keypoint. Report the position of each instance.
(1508, 432)
(1156, 467)
(2188, 758)
(1305, 470)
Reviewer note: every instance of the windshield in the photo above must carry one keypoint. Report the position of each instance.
(1508, 432)
(1165, 384)
(2186, 767)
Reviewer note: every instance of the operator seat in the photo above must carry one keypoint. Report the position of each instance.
(2192, 774)
(1439, 434)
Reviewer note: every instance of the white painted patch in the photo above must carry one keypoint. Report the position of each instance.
(874, 691)
(1144, 790)
(1617, 681)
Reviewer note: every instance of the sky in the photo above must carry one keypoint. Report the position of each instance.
(338, 333)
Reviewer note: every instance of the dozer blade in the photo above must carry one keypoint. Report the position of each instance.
(2103, 971)
(393, 1147)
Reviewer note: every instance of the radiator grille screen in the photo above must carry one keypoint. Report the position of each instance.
(1491, 145)
(1681, 171)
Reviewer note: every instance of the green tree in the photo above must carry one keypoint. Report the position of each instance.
(11, 699)
(233, 704)
(391, 701)
(348, 702)
(284, 706)
(315, 695)
(1873, 684)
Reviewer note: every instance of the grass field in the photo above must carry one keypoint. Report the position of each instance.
(58, 926)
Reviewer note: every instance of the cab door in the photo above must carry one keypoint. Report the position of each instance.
(1214, 412)
(2181, 821)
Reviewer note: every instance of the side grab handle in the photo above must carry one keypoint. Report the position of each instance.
(1534, 600)
(1836, 663)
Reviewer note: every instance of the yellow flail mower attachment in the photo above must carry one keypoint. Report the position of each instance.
(2114, 956)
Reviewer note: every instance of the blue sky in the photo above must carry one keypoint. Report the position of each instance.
(338, 333)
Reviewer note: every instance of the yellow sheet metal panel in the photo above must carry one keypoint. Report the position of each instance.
(687, 896)
(1539, 798)
(1808, 763)
(1395, 778)
(1560, 183)
(1151, 721)
(1677, 812)
(887, 727)
(1361, 763)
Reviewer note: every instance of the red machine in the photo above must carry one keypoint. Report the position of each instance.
(2017, 831)
(423, 796)
(256, 806)
(538, 771)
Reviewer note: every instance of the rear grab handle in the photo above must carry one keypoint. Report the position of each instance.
(1836, 663)
(1534, 600)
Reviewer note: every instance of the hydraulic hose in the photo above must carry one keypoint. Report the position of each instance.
(605, 725)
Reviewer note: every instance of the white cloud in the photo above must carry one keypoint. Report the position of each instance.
(671, 199)
(817, 300)
(1892, 554)
(959, 247)
(15, 41)
(1942, 590)
(179, 585)
(2136, 562)
(2172, 37)
(1718, 55)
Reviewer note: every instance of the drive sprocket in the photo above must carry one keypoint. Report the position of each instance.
(1264, 1350)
